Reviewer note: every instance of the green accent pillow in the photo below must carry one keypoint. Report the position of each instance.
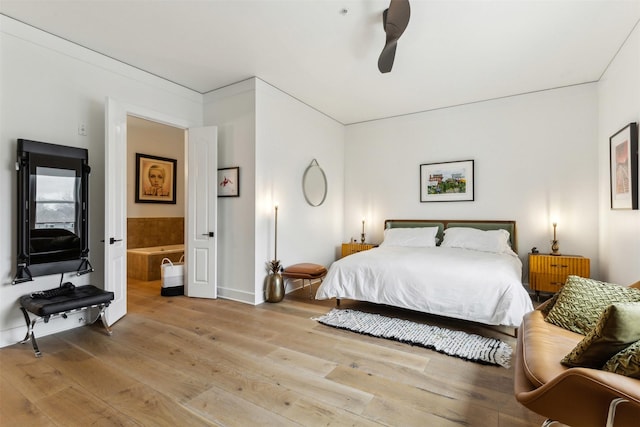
(552, 301)
(617, 328)
(581, 301)
(626, 362)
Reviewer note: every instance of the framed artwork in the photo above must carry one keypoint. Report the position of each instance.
(446, 182)
(229, 182)
(155, 179)
(623, 152)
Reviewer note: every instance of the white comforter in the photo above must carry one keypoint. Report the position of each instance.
(460, 283)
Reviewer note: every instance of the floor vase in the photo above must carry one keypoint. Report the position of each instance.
(274, 288)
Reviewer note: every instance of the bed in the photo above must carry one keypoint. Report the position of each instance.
(460, 269)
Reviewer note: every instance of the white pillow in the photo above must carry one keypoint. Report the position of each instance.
(422, 237)
(496, 241)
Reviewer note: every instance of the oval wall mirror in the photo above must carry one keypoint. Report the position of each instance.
(314, 184)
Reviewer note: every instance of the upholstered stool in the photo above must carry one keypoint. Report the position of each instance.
(305, 271)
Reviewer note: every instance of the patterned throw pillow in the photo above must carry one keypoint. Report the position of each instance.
(551, 302)
(581, 302)
(617, 328)
(626, 362)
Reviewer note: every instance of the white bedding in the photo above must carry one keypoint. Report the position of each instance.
(460, 283)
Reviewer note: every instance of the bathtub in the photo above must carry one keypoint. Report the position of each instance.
(144, 263)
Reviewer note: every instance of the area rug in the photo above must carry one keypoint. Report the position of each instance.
(472, 347)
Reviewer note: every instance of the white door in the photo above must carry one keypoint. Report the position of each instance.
(115, 226)
(202, 208)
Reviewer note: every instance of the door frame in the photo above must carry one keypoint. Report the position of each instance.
(157, 117)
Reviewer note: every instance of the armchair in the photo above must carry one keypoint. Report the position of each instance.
(580, 397)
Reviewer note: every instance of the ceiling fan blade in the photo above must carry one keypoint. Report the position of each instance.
(385, 62)
(394, 21)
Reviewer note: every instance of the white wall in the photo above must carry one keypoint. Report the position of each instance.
(535, 156)
(48, 87)
(619, 105)
(232, 110)
(289, 135)
(155, 139)
(272, 137)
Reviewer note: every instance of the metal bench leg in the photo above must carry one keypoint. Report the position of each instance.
(100, 315)
(311, 287)
(30, 335)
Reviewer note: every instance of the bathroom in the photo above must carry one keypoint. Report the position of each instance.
(155, 220)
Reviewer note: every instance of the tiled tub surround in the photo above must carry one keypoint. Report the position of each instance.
(148, 232)
(144, 263)
(149, 240)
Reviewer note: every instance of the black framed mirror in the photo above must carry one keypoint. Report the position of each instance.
(52, 200)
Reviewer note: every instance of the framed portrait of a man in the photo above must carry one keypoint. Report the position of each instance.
(155, 179)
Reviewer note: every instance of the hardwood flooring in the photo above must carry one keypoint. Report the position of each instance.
(180, 361)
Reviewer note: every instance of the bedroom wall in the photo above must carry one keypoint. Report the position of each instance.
(289, 135)
(48, 87)
(619, 105)
(232, 110)
(534, 155)
(272, 137)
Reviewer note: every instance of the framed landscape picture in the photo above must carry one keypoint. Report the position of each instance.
(446, 182)
(155, 179)
(623, 146)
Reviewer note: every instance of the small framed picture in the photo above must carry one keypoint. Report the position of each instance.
(155, 179)
(229, 182)
(446, 182)
(623, 146)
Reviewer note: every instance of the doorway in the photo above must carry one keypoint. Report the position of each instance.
(199, 195)
(155, 228)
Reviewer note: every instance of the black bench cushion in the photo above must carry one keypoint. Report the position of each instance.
(81, 296)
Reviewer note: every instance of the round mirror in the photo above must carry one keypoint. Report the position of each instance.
(314, 184)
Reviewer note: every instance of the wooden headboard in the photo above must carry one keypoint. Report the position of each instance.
(510, 226)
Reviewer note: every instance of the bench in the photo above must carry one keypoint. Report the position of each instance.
(305, 271)
(81, 297)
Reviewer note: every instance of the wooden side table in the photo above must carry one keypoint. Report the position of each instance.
(352, 248)
(548, 273)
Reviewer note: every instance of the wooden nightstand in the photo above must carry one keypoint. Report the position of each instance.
(352, 248)
(548, 273)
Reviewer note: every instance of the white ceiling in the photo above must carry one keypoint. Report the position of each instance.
(452, 53)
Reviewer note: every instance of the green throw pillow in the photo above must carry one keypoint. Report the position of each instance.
(626, 362)
(552, 301)
(581, 301)
(617, 328)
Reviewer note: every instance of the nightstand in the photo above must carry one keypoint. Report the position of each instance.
(353, 247)
(548, 273)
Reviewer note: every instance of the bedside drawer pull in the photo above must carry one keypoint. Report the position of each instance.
(559, 265)
(557, 283)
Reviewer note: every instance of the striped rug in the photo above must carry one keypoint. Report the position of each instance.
(475, 348)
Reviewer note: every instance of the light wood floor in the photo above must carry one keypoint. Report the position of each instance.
(178, 361)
